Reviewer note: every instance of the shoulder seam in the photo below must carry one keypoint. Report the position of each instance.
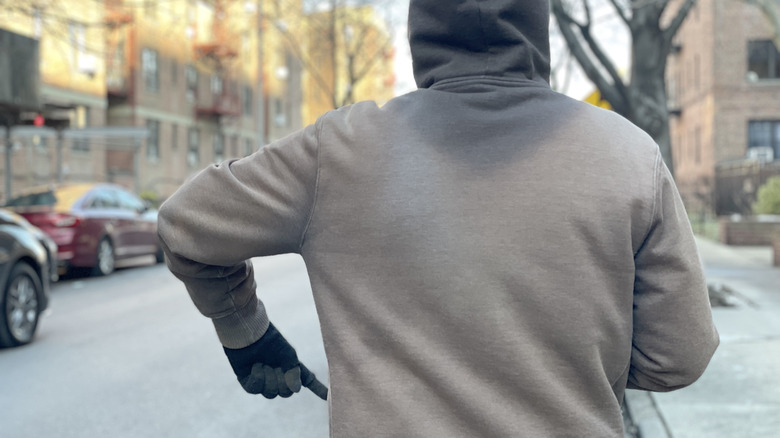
(318, 129)
(656, 173)
(654, 194)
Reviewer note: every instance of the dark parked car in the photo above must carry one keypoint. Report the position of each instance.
(8, 217)
(94, 225)
(25, 276)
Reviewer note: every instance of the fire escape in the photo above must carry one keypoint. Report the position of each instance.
(119, 73)
(218, 52)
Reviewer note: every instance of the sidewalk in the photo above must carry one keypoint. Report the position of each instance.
(739, 394)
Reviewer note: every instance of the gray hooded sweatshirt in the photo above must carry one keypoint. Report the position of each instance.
(488, 258)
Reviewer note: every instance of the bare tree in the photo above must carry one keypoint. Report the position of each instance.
(561, 64)
(338, 43)
(642, 99)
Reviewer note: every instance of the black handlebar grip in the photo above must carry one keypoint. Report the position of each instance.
(309, 380)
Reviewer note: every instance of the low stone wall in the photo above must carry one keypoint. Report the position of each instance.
(776, 248)
(760, 230)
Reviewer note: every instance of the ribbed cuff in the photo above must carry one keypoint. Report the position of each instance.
(243, 327)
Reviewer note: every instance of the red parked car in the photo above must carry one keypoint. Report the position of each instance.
(93, 225)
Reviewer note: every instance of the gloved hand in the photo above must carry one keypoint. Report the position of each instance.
(271, 367)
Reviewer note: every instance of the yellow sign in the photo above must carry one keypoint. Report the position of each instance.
(594, 98)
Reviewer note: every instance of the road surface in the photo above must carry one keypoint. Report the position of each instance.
(128, 355)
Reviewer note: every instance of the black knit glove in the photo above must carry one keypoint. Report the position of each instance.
(270, 367)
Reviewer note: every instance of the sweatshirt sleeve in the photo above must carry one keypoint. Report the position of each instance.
(674, 336)
(230, 212)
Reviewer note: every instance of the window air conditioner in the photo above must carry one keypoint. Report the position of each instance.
(87, 64)
(762, 154)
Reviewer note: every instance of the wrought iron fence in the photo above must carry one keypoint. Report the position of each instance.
(737, 182)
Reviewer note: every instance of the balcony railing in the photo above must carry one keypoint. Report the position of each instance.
(221, 105)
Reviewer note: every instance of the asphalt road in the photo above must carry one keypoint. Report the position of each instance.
(128, 355)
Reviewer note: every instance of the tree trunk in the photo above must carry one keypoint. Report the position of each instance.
(643, 99)
(647, 93)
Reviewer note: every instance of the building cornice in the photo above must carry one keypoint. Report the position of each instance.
(62, 96)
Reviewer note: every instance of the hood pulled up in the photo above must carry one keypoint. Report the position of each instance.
(479, 38)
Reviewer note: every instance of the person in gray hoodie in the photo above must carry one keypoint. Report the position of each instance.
(488, 258)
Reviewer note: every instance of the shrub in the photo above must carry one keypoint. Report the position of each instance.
(768, 198)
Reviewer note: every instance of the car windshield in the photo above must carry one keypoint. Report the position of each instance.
(33, 199)
(60, 199)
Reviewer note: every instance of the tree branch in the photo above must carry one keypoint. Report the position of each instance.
(330, 47)
(373, 59)
(621, 12)
(677, 21)
(609, 91)
(295, 48)
(602, 57)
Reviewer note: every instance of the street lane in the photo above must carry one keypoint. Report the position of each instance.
(128, 355)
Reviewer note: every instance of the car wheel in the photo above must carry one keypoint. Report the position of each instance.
(104, 263)
(20, 312)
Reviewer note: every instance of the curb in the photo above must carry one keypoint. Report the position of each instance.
(645, 416)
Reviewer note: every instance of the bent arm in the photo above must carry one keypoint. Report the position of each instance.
(674, 335)
(227, 214)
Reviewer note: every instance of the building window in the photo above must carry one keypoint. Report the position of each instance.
(174, 72)
(280, 116)
(193, 147)
(678, 80)
(192, 83)
(249, 147)
(37, 23)
(174, 136)
(672, 93)
(78, 42)
(245, 43)
(248, 98)
(678, 149)
(80, 120)
(150, 8)
(763, 60)
(216, 84)
(114, 65)
(764, 138)
(153, 141)
(149, 69)
(219, 147)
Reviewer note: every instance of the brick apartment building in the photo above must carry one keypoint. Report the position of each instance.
(189, 72)
(724, 93)
(71, 89)
(148, 93)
